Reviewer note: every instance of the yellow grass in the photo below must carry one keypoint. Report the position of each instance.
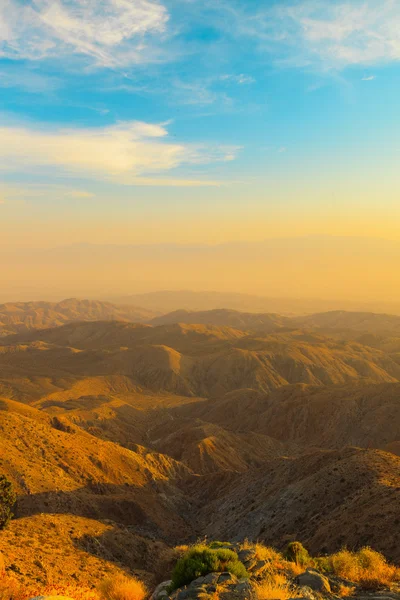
(11, 589)
(366, 567)
(292, 569)
(272, 590)
(122, 588)
(345, 591)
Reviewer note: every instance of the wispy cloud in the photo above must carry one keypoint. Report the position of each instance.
(321, 34)
(240, 79)
(368, 78)
(130, 152)
(110, 32)
(27, 80)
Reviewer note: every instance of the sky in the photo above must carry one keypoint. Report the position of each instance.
(198, 121)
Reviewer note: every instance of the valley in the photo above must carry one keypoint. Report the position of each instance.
(124, 438)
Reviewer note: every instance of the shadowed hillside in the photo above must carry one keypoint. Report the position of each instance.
(22, 316)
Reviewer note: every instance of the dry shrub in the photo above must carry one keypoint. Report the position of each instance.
(267, 553)
(292, 569)
(275, 590)
(11, 589)
(70, 591)
(345, 591)
(122, 588)
(366, 567)
(180, 550)
(2, 565)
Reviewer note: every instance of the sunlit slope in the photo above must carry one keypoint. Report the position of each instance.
(18, 317)
(187, 360)
(265, 322)
(56, 467)
(366, 322)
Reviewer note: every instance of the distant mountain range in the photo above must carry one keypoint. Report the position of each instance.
(22, 316)
(296, 275)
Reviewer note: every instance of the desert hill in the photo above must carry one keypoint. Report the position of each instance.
(22, 316)
(59, 468)
(325, 417)
(186, 360)
(263, 322)
(366, 322)
(138, 436)
(327, 499)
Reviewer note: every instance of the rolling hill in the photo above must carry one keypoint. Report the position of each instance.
(19, 317)
(186, 360)
(137, 436)
(262, 322)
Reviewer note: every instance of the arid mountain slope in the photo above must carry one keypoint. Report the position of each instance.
(209, 448)
(59, 468)
(366, 322)
(187, 360)
(22, 316)
(326, 499)
(307, 416)
(262, 322)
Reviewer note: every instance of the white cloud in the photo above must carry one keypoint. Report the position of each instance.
(368, 78)
(323, 34)
(241, 79)
(130, 152)
(111, 32)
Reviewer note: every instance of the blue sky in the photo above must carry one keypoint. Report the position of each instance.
(122, 109)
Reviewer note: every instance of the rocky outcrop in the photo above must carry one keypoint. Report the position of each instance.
(314, 580)
(225, 586)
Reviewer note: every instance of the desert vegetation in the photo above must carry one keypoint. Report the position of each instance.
(201, 560)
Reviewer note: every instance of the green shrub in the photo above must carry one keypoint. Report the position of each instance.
(201, 560)
(215, 545)
(295, 552)
(323, 564)
(7, 501)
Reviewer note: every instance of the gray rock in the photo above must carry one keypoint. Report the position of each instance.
(306, 592)
(211, 578)
(227, 578)
(246, 555)
(161, 590)
(259, 567)
(314, 580)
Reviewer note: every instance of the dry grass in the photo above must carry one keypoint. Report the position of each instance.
(122, 588)
(292, 569)
(11, 589)
(267, 553)
(366, 567)
(273, 590)
(345, 591)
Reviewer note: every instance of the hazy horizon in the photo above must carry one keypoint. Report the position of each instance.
(334, 272)
(164, 144)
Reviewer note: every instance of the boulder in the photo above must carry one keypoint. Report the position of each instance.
(161, 590)
(225, 585)
(314, 580)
